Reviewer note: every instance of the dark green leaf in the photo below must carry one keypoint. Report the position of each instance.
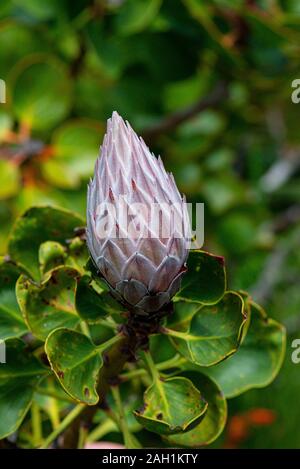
(205, 280)
(11, 321)
(18, 378)
(92, 305)
(136, 15)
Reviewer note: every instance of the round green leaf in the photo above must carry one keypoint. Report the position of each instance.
(213, 333)
(76, 363)
(258, 359)
(11, 321)
(14, 33)
(171, 406)
(18, 378)
(205, 280)
(214, 419)
(35, 226)
(50, 305)
(41, 92)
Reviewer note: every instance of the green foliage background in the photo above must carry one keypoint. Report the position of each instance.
(67, 65)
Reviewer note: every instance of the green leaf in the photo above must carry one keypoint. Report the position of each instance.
(205, 280)
(51, 255)
(48, 91)
(182, 315)
(258, 359)
(91, 305)
(171, 406)
(11, 321)
(213, 333)
(13, 33)
(223, 192)
(34, 227)
(136, 15)
(36, 10)
(76, 363)
(214, 419)
(50, 305)
(18, 378)
(75, 147)
(78, 254)
(9, 179)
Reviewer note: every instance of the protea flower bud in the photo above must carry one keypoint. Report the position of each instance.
(138, 229)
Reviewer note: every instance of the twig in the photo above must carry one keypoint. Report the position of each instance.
(22, 151)
(130, 441)
(281, 171)
(272, 270)
(64, 424)
(172, 121)
(289, 217)
(263, 288)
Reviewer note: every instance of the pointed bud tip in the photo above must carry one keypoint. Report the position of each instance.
(115, 116)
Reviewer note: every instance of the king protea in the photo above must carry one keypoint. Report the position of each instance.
(138, 229)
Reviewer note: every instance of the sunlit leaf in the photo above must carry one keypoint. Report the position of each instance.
(50, 305)
(213, 332)
(76, 363)
(171, 406)
(34, 227)
(214, 419)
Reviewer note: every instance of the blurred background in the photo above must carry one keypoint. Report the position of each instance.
(208, 84)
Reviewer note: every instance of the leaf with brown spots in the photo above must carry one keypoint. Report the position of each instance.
(171, 406)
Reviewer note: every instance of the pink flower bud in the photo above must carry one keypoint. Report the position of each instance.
(138, 228)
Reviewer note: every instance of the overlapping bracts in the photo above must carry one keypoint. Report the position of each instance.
(138, 228)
